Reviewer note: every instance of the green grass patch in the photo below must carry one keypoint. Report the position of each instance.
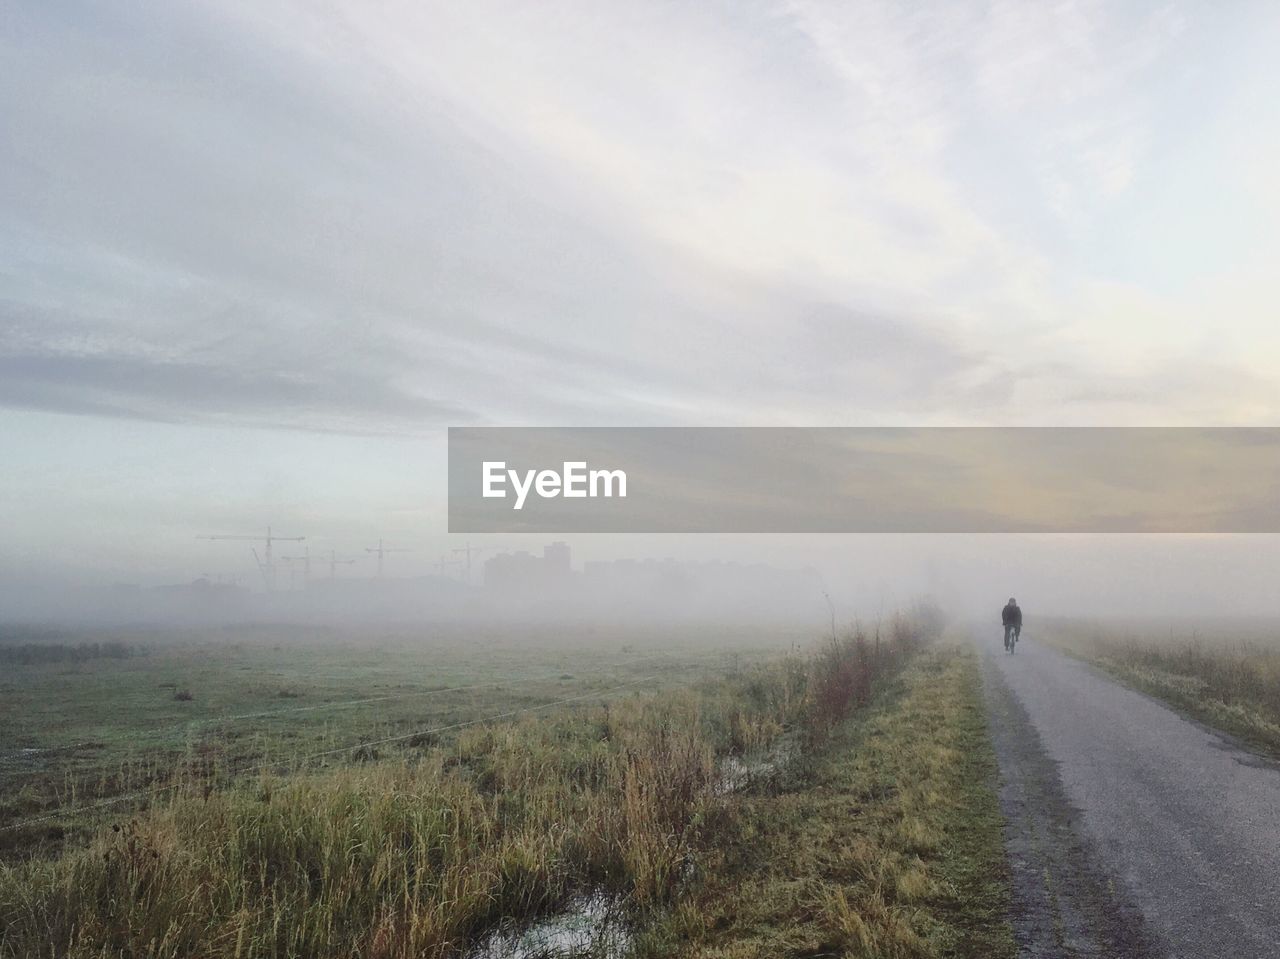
(79, 728)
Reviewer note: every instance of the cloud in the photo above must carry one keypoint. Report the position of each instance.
(382, 218)
(137, 387)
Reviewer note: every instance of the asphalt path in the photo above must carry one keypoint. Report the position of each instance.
(1131, 830)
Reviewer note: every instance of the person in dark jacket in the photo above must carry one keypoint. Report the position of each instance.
(1011, 616)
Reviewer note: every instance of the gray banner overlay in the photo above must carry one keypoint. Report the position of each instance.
(864, 480)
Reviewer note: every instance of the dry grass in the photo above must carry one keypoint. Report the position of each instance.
(420, 856)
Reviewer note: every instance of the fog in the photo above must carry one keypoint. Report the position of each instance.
(258, 258)
(789, 581)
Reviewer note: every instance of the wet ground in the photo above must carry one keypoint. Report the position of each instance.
(588, 926)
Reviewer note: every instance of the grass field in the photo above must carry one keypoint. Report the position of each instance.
(596, 780)
(1226, 674)
(220, 702)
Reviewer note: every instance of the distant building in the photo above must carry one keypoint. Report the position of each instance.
(663, 587)
(523, 572)
(513, 572)
(556, 556)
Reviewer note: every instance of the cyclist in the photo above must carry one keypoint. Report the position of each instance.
(1011, 616)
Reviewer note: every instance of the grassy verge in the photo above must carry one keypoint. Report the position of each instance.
(1233, 686)
(887, 844)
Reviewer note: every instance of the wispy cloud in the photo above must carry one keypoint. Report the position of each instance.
(388, 218)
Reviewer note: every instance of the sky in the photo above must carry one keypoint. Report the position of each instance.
(256, 257)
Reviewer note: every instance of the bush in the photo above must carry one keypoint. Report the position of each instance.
(846, 669)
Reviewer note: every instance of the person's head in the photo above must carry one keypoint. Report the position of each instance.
(1012, 601)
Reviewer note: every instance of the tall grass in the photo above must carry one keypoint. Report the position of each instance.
(419, 856)
(845, 669)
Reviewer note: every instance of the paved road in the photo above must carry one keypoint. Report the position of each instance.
(1131, 831)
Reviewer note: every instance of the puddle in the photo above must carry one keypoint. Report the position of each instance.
(31, 759)
(21, 760)
(589, 927)
(739, 772)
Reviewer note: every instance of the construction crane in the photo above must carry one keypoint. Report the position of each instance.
(305, 561)
(380, 550)
(265, 566)
(266, 580)
(334, 562)
(470, 551)
(445, 561)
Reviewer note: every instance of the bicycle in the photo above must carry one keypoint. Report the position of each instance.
(1011, 636)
